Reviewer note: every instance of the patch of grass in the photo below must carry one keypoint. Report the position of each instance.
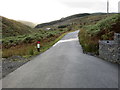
(18, 50)
(31, 52)
(88, 43)
(28, 50)
(102, 25)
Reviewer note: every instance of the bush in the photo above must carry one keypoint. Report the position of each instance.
(28, 39)
(62, 26)
(104, 37)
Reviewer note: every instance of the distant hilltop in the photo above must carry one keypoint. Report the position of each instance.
(61, 20)
(13, 28)
(30, 24)
(65, 20)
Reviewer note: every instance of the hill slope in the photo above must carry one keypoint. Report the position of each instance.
(30, 24)
(57, 22)
(103, 30)
(74, 20)
(16, 34)
(13, 28)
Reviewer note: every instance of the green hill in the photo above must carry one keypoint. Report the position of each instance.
(103, 30)
(13, 28)
(74, 20)
(17, 36)
(62, 20)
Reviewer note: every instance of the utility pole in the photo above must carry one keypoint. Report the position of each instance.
(107, 6)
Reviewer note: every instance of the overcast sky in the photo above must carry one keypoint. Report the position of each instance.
(40, 11)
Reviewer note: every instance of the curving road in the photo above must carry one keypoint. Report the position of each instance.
(64, 66)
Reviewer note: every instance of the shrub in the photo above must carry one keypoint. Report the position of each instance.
(28, 39)
(62, 26)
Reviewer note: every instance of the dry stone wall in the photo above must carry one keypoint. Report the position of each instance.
(110, 49)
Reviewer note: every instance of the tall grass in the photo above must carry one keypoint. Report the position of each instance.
(29, 49)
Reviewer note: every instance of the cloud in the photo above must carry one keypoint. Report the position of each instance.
(87, 5)
(41, 11)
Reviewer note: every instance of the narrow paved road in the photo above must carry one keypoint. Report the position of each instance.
(64, 66)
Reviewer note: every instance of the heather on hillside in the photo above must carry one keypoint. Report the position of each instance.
(103, 30)
(20, 39)
(13, 28)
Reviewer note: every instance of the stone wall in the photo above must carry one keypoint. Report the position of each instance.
(110, 50)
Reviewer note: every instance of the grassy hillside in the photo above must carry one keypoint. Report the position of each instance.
(13, 28)
(25, 45)
(102, 30)
(77, 21)
(20, 39)
(30, 24)
(62, 20)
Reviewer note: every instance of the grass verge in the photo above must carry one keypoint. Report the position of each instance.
(28, 50)
(89, 36)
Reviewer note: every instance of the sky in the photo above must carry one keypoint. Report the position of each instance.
(41, 11)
